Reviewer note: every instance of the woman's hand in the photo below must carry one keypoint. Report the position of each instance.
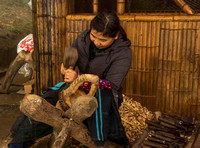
(69, 74)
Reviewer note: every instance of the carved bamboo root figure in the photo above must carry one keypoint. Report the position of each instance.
(82, 107)
(22, 58)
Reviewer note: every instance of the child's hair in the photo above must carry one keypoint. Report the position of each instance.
(108, 23)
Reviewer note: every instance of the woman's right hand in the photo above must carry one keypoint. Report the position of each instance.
(69, 74)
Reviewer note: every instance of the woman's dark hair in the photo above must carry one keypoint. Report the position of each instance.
(108, 23)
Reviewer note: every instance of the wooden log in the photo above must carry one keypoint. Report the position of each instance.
(62, 137)
(22, 58)
(40, 110)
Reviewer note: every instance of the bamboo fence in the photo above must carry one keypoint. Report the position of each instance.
(164, 72)
(49, 19)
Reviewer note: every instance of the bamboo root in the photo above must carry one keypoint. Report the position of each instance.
(22, 58)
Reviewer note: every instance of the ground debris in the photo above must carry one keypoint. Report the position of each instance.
(133, 116)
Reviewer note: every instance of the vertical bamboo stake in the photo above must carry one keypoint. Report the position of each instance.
(194, 48)
(173, 65)
(55, 75)
(167, 51)
(36, 44)
(95, 6)
(177, 72)
(140, 62)
(45, 44)
(196, 100)
(41, 41)
(53, 35)
(50, 46)
(143, 60)
(156, 27)
(121, 6)
(147, 67)
(59, 39)
(159, 95)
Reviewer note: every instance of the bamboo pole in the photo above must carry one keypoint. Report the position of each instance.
(59, 19)
(53, 45)
(156, 62)
(36, 44)
(141, 17)
(121, 6)
(45, 45)
(144, 73)
(95, 6)
(49, 40)
(184, 6)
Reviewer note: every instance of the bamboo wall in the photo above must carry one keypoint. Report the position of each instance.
(49, 23)
(164, 72)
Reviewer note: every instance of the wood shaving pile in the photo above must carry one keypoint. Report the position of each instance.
(133, 116)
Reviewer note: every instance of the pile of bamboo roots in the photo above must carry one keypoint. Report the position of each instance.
(133, 117)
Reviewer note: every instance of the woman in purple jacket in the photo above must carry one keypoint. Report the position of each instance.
(104, 51)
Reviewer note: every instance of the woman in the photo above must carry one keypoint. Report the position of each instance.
(104, 51)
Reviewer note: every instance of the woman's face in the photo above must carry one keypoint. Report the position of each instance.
(100, 41)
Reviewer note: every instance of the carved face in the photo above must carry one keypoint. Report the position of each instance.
(100, 41)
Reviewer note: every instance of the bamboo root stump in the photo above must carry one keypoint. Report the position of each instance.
(22, 58)
(40, 110)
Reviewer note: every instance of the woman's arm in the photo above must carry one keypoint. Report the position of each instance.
(119, 69)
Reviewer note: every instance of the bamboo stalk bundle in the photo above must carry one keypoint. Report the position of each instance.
(133, 116)
(121, 6)
(95, 6)
(184, 6)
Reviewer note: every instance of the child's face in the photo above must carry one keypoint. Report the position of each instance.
(100, 41)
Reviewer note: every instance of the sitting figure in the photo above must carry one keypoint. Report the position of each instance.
(103, 53)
